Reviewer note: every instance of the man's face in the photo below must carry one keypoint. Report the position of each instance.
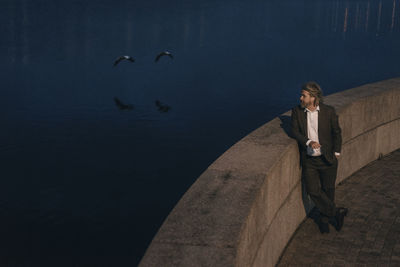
(306, 99)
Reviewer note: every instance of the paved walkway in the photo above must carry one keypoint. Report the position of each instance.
(371, 232)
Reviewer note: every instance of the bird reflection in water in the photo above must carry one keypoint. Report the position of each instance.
(162, 107)
(121, 105)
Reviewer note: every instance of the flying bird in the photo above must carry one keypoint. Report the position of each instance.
(165, 53)
(162, 107)
(121, 105)
(119, 59)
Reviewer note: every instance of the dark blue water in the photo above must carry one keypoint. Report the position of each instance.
(83, 183)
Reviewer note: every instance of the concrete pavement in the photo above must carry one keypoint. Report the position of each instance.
(371, 232)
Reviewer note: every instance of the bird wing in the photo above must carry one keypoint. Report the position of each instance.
(118, 102)
(164, 53)
(118, 60)
(158, 57)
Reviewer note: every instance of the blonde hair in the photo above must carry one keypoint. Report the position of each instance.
(314, 90)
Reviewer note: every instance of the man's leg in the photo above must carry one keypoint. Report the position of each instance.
(328, 179)
(311, 176)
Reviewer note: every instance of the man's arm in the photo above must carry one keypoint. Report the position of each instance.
(295, 129)
(336, 133)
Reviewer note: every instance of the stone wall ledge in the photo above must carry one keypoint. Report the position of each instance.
(245, 207)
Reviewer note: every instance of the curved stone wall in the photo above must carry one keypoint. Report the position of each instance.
(244, 208)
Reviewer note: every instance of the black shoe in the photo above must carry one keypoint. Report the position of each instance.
(323, 227)
(345, 211)
(339, 219)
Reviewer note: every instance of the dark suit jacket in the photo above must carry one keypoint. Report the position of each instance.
(329, 132)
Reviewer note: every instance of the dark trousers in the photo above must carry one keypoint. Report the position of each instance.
(320, 177)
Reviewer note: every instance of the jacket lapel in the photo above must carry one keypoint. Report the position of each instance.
(304, 121)
(320, 121)
(321, 115)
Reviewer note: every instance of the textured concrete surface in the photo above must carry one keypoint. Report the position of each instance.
(245, 207)
(369, 118)
(371, 232)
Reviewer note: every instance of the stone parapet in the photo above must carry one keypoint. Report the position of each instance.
(245, 207)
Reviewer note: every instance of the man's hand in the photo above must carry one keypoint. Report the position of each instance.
(314, 145)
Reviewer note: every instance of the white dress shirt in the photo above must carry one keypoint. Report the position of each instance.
(312, 132)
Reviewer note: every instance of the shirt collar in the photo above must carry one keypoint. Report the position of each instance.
(306, 109)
